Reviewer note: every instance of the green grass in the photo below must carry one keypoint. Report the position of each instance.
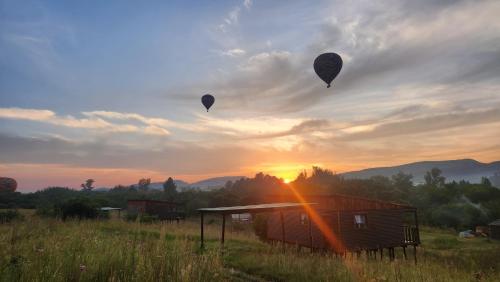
(50, 250)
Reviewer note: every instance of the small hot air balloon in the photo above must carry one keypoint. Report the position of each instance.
(327, 66)
(207, 100)
(8, 184)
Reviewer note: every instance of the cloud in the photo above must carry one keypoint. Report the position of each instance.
(385, 46)
(233, 52)
(426, 124)
(247, 3)
(94, 122)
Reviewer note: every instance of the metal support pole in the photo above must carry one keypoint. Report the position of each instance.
(282, 228)
(310, 233)
(201, 229)
(223, 228)
(416, 226)
(415, 253)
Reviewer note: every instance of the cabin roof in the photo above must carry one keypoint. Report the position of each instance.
(255, 208)
(318, 197)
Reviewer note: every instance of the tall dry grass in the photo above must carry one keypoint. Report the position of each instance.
(50, 250)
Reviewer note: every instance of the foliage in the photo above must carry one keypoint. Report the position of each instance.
(144, 183)
(260, 226)
(10, 215)
(51, 250)
(87, 186)
(80, 208)
(434, 179)
(170, 189)
(460, 205)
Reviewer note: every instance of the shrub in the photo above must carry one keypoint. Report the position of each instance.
(48, 211)
(10, 215)
(444, 243)
(260, 226)
(146, 218)
(143, 217)
(79, 208)
(131, 216)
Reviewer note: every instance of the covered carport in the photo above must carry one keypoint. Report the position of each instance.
(223, 211)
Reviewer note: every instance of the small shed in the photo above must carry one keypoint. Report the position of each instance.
(108, 210)
(162, 209)
(495, 229)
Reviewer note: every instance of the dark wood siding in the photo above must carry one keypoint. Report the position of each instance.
(384, 228)
(164, 210)
(340, 202)
(495, 232)
(295, 231)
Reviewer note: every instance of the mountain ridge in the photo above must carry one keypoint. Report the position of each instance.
(454, 170)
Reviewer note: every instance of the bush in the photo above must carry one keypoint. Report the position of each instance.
(48, 211)
(79, 208)
(445, 243)
(143, 217)
(10, 215)
(146, 218)
(131, 216)
(260, 226)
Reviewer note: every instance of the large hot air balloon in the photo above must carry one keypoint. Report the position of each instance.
(7, 184)
(207, 100)
(327, 66)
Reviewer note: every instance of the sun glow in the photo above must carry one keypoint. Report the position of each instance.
(287, 172)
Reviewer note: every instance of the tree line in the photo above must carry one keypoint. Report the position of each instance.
(440, 203)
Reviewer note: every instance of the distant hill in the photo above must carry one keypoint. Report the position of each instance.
(466, 169)
(216, 182)
(206, 184)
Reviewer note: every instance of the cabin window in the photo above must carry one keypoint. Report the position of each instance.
(304, 219)
(360, 221)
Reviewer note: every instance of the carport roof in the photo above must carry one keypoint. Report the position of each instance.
(255, 208)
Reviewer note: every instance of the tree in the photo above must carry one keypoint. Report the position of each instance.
(228, 184)
(402, 181)
(433, 178)
(485, 181)
(143, 183)
(87, 186)
(169, 188)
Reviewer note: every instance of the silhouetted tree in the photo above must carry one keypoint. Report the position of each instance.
(170, 189)
(433, 178)
(143, 183)
(87, 186)
(485, 181)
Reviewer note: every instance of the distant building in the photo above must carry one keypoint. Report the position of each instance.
(241, 217)
(495, 229)
(162, 209)
(356, 223)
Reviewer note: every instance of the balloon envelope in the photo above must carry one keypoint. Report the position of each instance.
(327, 66)
(207, 100)
(8, 184)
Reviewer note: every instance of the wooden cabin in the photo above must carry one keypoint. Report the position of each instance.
(162, 209)
(357, 224)
(495, 229)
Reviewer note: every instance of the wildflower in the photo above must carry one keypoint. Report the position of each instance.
(82, 267)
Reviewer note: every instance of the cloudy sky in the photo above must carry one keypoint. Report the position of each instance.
(111, 90)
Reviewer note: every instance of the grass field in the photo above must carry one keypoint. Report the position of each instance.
(50, 250)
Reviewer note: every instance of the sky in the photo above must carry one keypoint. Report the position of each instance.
(111, 90)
